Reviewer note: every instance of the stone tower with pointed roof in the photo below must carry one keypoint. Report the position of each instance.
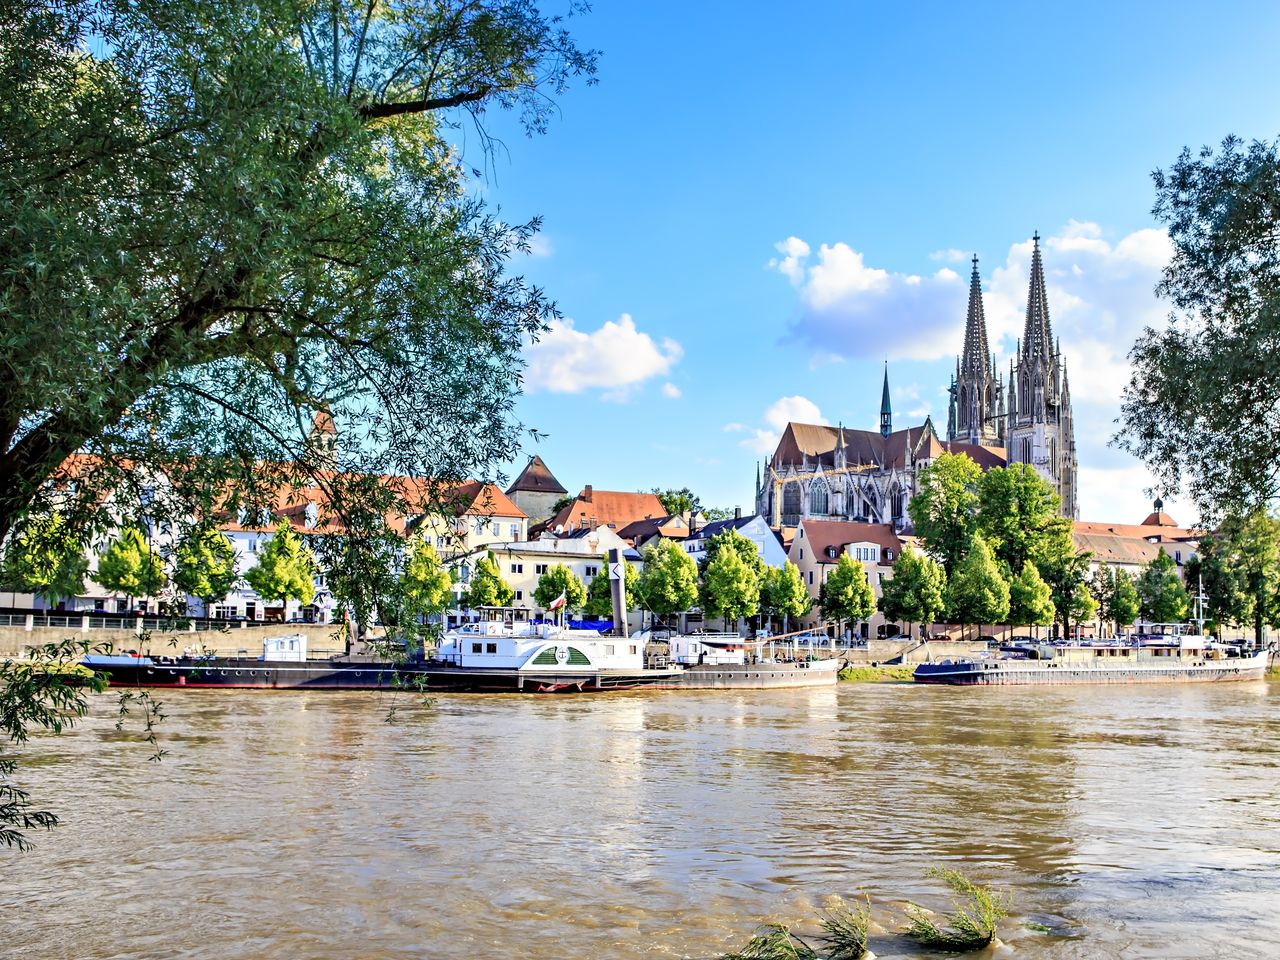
(977, 396)
(886, 411)
(1038, 423)
(536, 491)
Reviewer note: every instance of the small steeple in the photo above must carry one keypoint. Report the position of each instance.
(840, 453)
(886, 411)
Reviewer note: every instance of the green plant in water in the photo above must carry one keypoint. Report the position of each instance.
(845, 929)
(971, 926)
(774, 941)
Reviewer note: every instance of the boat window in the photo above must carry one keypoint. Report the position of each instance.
(608, 649)
(633, 648)
(490, 648)
(475, 647)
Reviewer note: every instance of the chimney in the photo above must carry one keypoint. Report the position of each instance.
(737, 513)
(586, 493)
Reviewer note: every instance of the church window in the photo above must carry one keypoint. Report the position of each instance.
(790, 505)
(818, 499)
(895, 503)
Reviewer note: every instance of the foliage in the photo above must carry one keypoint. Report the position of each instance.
(228, 251)
(846, 594)
(425, 586)
(773, 941)
(487, 588)
(1067, 573)
(783, 593)
(894, 674)
(845, 929)
(972, 925)
(669, 582)
(1017, 512)
(360, 570)
(1202, 404)
(565, 501)
(1161, 593)
(204, 565)
(730, 539)
(599, 603)
(1115, 594)
(557, 580)
(46, 557)
(977, 592)
(676, 502)
(944, 511)
(916, 591)
(730, 585)
(130, 566)
(286, 569)
(1238, 568)
(1030, 598)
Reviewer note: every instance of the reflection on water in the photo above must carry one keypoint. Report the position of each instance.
(1136, 822)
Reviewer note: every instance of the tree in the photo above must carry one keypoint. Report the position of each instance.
(600, 594)
(1067, 572)
(784, 594)
(1030, 598)
(199, 331)
(669, 581)
(846, 594)
(487, 588)
(676, 502)
(977, 592)
(425, 586)
(916, 591)
(558, 580)
(1162, 596)
(130, 566)
(945, 510)
(1017, 512)
(286, 568)
(204, 565)
(1202, 404)
(45, 557)
(1123, 606)
(1238, 568)
(730, 585)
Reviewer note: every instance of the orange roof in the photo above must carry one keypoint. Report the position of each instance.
(476, 498)
(536, 478)
(608, 508)
(820, 536)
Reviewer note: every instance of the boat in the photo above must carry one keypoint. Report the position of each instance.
(727, 661)
(1157, 659)
(506, 651)
(283, 666)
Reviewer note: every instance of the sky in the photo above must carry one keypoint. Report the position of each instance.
(758, 205)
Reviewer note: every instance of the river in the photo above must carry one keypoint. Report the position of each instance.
(1130, 822)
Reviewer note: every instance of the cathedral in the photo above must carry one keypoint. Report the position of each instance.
(869, 476)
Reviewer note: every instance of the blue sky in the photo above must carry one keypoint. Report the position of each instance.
(757, 205)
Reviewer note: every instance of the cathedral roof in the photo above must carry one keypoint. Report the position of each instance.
(977, 353)
(816, 443)
(536, 478)
(1037, 335)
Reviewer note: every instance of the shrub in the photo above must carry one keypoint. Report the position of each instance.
(971, 926)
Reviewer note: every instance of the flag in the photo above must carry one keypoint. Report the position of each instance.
(558, 602)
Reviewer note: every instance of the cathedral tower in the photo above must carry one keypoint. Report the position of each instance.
(976, 394)
(1039, 425)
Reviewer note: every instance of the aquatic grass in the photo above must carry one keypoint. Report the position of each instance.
(971, 926)
(845, 928)
(774, 941)
(895, 673)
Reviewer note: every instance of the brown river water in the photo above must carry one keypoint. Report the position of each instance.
(1131, 822)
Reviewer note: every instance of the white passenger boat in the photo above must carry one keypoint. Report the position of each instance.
(1157, 660)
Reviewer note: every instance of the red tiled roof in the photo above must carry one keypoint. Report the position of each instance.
(608, 508)
(536, 478)
(819, 535)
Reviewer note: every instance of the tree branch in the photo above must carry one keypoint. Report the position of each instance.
(378, 111)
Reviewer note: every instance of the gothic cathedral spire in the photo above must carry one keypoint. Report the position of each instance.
(975, 395)
(886, 412)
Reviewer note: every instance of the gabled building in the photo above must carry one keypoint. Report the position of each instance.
(614, 509)
(755, 529)
(818, 545)
(536, 491)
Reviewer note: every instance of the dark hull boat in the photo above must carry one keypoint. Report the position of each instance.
(255, 673)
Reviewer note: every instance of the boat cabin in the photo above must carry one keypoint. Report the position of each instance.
(711, 648)
(505, 638)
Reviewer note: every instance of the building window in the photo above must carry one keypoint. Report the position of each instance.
(539, 568)
(590, 571)
(515, 531)
(517, 568)
(811, 578)
(802, 553)
(791, 504)
(818, 499)
(480, 525)
(519, 594)
(497, 529)
(439, 543)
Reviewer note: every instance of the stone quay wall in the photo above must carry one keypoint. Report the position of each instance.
(240, 638)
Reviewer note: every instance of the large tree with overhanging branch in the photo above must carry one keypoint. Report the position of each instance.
(245, 218)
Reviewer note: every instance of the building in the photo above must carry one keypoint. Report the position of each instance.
(536, 491)
(1131, 546)
(755, 529)
(615, 509)
(1031, 422)
(818, 546)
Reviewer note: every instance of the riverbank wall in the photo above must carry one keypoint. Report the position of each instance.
(237, 639)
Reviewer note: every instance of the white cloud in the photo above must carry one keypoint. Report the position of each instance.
(615, 358)
(782, 411)
(791, 265)
(670, 390)
(733, 428)
(950, 255)
(540, 245)
(1118, 495)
